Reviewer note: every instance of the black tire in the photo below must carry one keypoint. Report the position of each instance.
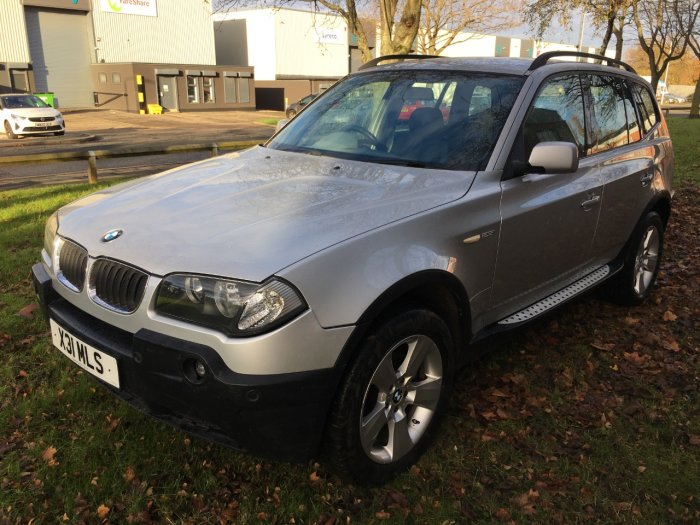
(8, 131)
(291, 113)
(633, 284)
(415, 344)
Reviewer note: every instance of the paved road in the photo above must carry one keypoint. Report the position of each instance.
(30, 174)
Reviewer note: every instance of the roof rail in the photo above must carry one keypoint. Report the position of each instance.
(376, 61)
(544, 58)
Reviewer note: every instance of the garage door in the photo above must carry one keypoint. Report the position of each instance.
(269, 98)
(58, 42)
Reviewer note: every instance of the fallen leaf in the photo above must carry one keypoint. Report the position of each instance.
(671, 344)
(102, 511)
(314, 477)
(694, 439)
(28, 311)
(382, 515)
(502, 514)
(641, 469)
(129, 475)
(670, 316)
(48, 454)
(635, 358)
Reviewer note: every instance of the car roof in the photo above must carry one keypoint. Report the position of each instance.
(551, 61)
(504, 65)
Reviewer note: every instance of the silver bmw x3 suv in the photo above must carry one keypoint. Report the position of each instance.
(318, 292)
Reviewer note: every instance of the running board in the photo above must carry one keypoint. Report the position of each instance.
(557, 298)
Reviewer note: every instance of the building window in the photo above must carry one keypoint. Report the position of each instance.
(208, 89)
(243, 89)
(116, 78)
(192, 89)
(102, 78)
(230, 90)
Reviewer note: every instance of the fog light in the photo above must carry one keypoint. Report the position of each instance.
(200, 369)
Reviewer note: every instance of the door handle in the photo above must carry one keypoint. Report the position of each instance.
(646, 178)
(590, 202)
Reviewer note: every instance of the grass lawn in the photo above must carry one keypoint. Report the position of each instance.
(592, 415)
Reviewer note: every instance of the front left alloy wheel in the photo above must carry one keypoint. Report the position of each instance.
(392, 398)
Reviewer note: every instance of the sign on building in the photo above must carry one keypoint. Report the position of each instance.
(330, 36)
(130, 7)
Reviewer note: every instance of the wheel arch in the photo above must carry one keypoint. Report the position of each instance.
(435, 290)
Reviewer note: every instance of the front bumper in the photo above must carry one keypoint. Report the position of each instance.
(281, 416)
(26, 127)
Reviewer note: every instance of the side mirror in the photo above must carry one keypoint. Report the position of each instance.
(555, 157)
(280, 124)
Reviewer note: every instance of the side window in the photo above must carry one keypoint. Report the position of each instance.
(557, 115)
(646, 107)
(608, 105)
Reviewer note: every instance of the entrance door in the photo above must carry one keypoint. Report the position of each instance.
(19, 81)
(167, 92)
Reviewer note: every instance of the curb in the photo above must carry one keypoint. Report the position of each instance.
(47, 142)
(124, 152)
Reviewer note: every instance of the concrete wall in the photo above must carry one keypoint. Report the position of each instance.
(310, 44)
(285, 43)
(123, 95)
(179, 34)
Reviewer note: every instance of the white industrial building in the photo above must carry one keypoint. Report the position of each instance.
(294, 52)
(95, 52)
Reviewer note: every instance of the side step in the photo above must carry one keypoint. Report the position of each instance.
(557, 298)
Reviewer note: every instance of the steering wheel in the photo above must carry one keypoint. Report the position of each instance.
(373, 141)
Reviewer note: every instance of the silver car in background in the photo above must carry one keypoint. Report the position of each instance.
(318, 293)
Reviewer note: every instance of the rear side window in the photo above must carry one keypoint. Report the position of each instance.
(646, 106)
(608, 104)
(633, 128)
(557, 115)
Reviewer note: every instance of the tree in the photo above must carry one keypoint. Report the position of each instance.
(694, 43)
(611, 14)
(444, 22)
(664, 30)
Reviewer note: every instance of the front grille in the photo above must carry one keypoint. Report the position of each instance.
(117, 286)
(41, 119)
(46, 128)
(72, 261)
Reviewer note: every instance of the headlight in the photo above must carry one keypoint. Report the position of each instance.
(50, 235)
(17, 117)
(235, 308)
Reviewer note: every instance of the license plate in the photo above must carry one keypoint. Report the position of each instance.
(43, 124)
(85, 356)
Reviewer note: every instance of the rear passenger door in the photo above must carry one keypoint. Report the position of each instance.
(548, 220)
(623, 119)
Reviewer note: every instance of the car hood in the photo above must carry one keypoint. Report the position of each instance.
(33, 112)
(251, 214)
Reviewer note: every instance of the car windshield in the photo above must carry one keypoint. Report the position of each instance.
(436, 119)
(22, 101)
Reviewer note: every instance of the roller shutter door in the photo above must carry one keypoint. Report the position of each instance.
(60, 50)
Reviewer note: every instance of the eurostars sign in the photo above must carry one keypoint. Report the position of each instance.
(130, 7)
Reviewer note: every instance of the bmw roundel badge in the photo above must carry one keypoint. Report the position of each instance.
(111, 235)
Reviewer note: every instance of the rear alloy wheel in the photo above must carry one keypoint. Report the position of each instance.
(633, 284)
(391, 400)
(8, 131)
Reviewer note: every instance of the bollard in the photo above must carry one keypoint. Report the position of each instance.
(92, 167)
(215, 150)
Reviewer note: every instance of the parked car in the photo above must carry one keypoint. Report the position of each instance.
(320, 291)
(25, 114)
(670, 98)
(297, 106)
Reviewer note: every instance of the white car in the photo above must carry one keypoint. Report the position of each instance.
(26, 114)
